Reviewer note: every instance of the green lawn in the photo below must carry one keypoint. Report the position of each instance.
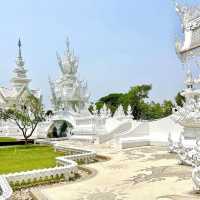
(27, 157)
(7, 139)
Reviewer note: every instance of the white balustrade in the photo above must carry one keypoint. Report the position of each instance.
(5, 189)
(68, 169)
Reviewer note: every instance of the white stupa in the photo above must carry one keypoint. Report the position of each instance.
(19, 84)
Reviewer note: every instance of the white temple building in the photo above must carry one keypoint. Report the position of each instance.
(10, 96)
(70, 100)
(19, 84)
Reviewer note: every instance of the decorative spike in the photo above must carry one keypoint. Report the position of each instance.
(59, 62)
(49, 79)
(19, 43)
(19, 46)
(68, 45)
(19, 59)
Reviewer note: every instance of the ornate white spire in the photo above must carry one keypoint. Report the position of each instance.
(19, 59)
(20, 79)
(69, 92)
(69, 62)
(67, 46)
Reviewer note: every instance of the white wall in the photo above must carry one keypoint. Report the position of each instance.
(157, 130)
(160, 129)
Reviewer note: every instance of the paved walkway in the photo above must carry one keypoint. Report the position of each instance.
(145, 173)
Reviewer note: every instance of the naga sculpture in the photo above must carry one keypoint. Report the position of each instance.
(188, 155)
(173, 147)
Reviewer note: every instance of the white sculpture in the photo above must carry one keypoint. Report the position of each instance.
(95, 111)
(103, 111)
(68, 92)
(109, 113)
(129, 112)
(174, 146)
(119, 113)
(189, 155)
(196, 170)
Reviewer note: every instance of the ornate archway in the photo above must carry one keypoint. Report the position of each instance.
(59, 128)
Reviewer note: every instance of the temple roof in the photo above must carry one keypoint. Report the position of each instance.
(8, 92)
(190, 21)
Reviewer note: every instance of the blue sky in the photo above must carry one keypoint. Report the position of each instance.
(120, 43)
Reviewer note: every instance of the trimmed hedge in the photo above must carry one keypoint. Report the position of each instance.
(13, 143)
(36, 182)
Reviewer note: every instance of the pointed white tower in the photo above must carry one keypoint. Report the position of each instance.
(20, 84)
(68, 92)
(20, 80)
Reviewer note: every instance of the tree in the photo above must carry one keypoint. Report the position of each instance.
(26, 114)
(179, 99)
(136, 98)
(112, 99)
(167, 108)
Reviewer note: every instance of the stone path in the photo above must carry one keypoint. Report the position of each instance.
(145, 173)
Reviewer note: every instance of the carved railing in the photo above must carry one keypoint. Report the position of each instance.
(68, 170)
(5, 189)
(186, 154)
(80, 155)
(174, 147)
(123, 127)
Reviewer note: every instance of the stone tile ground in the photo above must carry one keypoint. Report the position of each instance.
(146, 173)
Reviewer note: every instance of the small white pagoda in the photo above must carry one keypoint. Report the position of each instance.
(68, 92)
(189, 51)
(20, 84)
(11, 96)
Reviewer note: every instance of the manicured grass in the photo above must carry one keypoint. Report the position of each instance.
(27, 157)
(7, 139)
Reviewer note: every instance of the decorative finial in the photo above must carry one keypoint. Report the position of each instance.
(67, 44)
(19, 59)
(49, 79)
(19, 45)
